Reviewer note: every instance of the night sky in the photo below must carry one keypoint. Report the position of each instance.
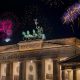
(48, 13)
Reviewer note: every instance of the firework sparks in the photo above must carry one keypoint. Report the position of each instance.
(54, 3)
(72, 13)
(8, 26)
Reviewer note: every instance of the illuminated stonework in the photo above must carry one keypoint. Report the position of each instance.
(38, 60)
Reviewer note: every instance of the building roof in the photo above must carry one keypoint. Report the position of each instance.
(71, 60)
(24, 50)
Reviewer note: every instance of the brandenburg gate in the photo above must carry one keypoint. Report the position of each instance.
(36, 59)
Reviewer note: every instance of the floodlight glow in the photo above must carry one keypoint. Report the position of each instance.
(7, 40)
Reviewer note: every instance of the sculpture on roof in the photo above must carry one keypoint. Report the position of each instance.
(36, 33)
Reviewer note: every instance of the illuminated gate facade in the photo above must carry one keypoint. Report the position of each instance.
(35, 60)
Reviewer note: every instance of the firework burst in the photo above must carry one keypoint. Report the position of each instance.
(72, 13)
(8, 25)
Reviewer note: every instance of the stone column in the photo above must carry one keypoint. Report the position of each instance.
(74, 74)
(56, 70)
(9, 71)
(69, 72)
(22, 70)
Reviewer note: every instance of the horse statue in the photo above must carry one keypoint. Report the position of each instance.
(27, 35)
